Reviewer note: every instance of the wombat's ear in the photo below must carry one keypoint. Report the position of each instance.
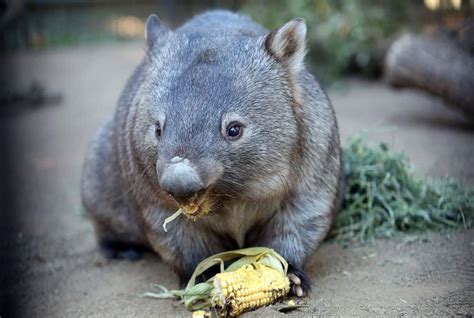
(154, 29)
(287, 44)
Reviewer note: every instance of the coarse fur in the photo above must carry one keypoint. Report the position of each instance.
(278, 185)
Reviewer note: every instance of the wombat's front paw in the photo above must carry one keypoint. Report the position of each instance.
(299, 282)
(119, 250)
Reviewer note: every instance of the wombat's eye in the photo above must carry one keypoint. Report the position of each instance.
(157, 129)
(234, 131)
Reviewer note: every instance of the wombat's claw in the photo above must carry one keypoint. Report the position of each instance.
(295, 283)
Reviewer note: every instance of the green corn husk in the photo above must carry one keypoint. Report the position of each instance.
(198, 296)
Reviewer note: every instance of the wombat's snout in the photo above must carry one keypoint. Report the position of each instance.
(181, 180)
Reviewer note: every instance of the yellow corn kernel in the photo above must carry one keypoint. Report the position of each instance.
(249, 287)
(201, 314)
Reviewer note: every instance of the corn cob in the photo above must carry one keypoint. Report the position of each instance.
(256, 279)
(249, 287)
(201, 314)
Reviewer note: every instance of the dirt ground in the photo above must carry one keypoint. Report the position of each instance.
(62, 274)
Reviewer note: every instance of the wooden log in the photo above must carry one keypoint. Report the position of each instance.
(436, 65)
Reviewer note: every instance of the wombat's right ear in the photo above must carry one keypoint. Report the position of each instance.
(154, 29)
(287, 44)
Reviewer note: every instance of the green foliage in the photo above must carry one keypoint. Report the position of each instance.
(342, 34)
(384, 199)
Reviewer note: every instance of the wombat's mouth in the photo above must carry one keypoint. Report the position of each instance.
(198, 206)
(194, 210)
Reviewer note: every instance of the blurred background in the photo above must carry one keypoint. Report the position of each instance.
(345, 37)
(401, 72)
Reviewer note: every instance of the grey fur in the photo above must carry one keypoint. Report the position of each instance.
(277, 186)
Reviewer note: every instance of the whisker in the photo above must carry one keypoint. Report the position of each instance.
(130, 188)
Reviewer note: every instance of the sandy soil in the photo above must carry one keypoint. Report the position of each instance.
(62, 274)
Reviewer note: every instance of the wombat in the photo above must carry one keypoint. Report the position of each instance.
(221, 114)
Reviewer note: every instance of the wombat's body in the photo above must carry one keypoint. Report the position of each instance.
(219, 111)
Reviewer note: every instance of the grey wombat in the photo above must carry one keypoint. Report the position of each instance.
(223, 115)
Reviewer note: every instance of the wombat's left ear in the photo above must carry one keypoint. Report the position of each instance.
(154, 29)
(287, 44)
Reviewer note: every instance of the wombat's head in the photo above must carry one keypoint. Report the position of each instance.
(215, 113)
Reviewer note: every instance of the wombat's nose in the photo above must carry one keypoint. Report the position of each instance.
(181, 180)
